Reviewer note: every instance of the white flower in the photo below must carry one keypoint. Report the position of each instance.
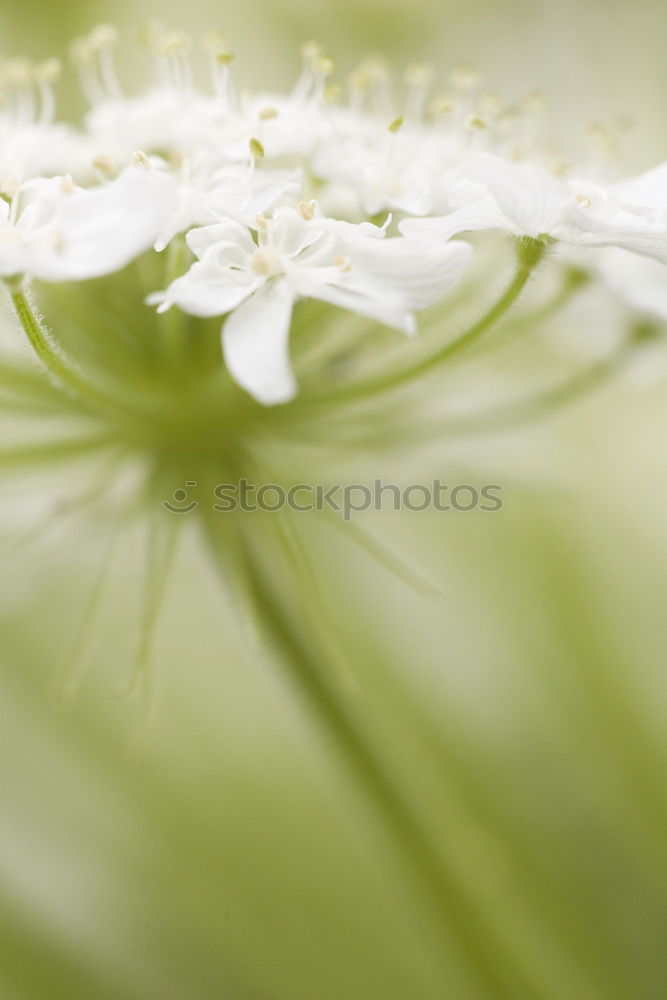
(527, 200)
(288, 126)
(382, 169)
(209, 191)
(299, 254)
(55, 231)
(170, 116)
(32, 144)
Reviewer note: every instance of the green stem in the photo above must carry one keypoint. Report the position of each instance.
(500, 975)
(50, 356)
(529, 254)
(572, 283)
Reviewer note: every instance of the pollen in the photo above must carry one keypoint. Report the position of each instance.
(333, 93)
(103, 36)
(306, 209)
(441, 106)
(103, 164)
(174, 43)
(418, 74)
(343, 264)
(311, 50)
(139, 159)
(465, 78)
(477, 122)
(18, 72)
(267, 262)
(48, 72)
(10, 189)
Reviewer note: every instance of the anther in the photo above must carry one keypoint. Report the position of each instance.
(465, 78)
(10, 189)
(139, 159)
(477, 122)
(256, 149)
(103, 36)
(418, 74)
(267, 262)
(324, 65)
(18, 72)
(48, 72)
(311, 51)
(173, 43)
(103, 165)
(306, 209)
(332, 93)
(441, 106)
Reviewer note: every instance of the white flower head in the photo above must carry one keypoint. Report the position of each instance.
(32, 143)
(526, 200)
(55, 231)
(299, 254)
(210, 189)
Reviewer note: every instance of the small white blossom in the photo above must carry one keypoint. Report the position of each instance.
(55, 231)
(209, 190)
(526, 200)
(32, 144)
(299, 254)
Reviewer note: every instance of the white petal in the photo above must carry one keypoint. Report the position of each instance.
(649, 189)
(598, 218)
(268, 186)
(227, 232)
(208, 290)
(638, 280)
(255, 342)
(100, 230)
(482, 214)
(524, 193)
(353, 293)
(419, 272)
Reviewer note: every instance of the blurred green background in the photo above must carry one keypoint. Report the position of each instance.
(522, 714)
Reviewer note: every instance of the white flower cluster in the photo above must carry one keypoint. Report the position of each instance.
(322, 193)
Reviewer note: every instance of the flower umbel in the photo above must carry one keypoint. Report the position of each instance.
(257, 277)
(283, 238)
(222, 286)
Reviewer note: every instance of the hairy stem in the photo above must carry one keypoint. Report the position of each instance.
(60, 369)
(529, 254)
